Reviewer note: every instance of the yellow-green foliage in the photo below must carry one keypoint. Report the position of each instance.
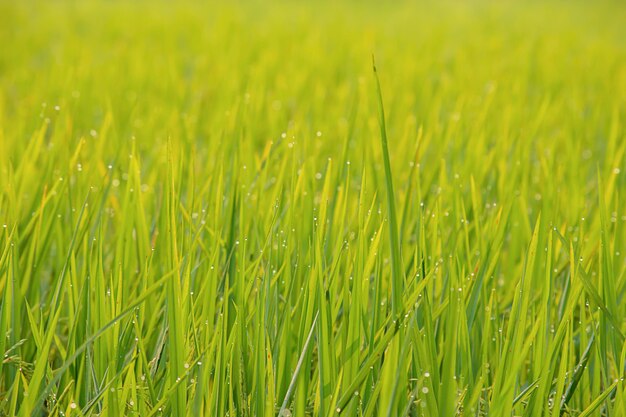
(215, 210)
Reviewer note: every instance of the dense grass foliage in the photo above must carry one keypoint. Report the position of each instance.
(217, 210)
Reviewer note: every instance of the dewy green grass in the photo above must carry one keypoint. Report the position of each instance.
(205, 209)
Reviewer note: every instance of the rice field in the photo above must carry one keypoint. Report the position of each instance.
(312, 208)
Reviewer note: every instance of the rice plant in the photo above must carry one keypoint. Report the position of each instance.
(312, 209)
